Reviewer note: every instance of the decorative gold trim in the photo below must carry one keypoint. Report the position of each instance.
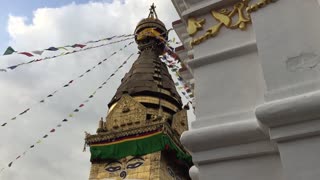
(225, 17)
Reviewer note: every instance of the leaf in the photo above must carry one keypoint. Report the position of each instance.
(226, 20)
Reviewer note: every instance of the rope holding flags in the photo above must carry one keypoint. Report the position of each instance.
(10, 50)
(71, 115)
(13, 67)
(67, 84)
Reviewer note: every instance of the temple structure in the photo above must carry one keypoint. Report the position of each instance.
(256, 74)
(139, 138)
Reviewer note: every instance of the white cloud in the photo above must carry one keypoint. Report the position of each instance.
(60, 156)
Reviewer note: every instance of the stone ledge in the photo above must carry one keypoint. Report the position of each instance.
(204, 7)
(222, 135)
(296, 109)
(253, 149)
(295, 131)
(228, 53)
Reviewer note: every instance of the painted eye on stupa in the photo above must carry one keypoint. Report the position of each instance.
(113, 166)
(113, 169)
(135, 162)
(134, 165)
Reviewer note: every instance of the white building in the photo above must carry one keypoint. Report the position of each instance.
(256, 68)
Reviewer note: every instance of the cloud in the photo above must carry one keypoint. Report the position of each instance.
(60, 156)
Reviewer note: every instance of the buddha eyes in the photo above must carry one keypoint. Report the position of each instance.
(113, 169)
(115, 166)
(134, 165)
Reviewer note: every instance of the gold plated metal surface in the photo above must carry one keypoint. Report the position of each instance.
(240, 10)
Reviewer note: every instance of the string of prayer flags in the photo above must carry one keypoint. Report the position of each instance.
(10, 50)
(53, 130)
(174, 66)
(67, 84)
(12, 67)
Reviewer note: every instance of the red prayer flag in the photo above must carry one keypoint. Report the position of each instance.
(78, 45)
(52, 130)
(81, 105)
(26, 53)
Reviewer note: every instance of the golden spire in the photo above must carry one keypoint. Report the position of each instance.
(153, 12)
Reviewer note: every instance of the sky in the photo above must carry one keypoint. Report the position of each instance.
(38, 24)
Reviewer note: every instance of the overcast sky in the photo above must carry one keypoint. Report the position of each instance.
(38, 25)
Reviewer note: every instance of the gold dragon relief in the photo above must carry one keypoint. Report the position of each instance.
(237, 17)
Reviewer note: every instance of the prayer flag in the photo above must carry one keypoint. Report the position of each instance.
(4, 124)
(59, 125)
(45, 136)
(9, 51)
(91, 96)
(14, 118)
(76, 110)
(12, 67)
(38, 141)
(64, 120)
(78, 45)
(70, 115)
(26, 53)
(42, 101)
(52, 130)
(18, 157)
(37, 52)
(52, 49)
(32, 146)
(24, 111)
(63, 48)
(81, 105)
(10, 164)
(3, 70)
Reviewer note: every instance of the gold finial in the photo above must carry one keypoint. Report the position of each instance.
(152, 12)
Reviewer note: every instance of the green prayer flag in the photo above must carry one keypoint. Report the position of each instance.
(9, 51)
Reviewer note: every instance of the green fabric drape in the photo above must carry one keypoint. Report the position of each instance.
(138, 147)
